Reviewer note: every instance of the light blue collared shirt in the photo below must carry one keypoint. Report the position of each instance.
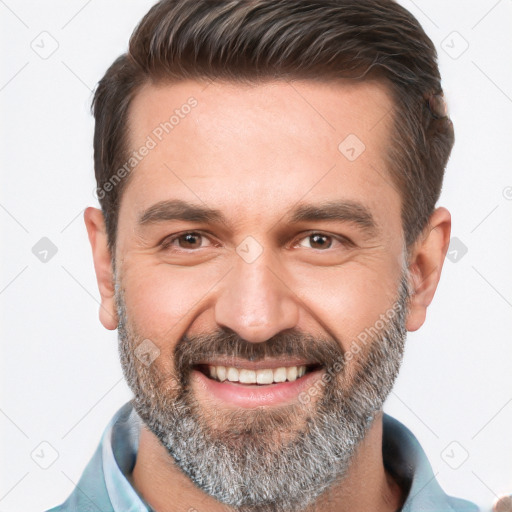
(105, 487)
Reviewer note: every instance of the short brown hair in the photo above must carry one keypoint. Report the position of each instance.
(256, 40)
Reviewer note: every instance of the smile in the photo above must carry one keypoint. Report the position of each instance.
(254, 384)
(262, 376)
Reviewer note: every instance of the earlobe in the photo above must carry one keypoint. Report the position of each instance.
(426, 262)
(95, 225)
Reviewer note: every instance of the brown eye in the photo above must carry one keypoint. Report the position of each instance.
(318, 241)
(189, 240)
(323, 241)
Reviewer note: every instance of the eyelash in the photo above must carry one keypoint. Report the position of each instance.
(166, 242)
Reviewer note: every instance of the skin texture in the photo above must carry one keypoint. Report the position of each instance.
(254, 153)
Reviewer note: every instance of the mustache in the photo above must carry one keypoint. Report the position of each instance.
(225, 342)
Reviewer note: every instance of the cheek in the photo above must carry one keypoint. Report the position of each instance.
(161, 298)
(348, 300)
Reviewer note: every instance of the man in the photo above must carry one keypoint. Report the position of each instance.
(268, 175)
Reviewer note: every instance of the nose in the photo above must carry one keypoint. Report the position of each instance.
(255, 301)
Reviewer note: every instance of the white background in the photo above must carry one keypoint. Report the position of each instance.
(61, 378)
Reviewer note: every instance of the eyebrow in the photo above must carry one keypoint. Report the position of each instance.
(177, 209)
(341, 211)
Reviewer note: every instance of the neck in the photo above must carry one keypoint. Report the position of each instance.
(366, 487)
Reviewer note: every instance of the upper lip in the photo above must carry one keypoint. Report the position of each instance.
(256, 365)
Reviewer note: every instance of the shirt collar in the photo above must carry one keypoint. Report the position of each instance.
(406, 460)
(120, 444)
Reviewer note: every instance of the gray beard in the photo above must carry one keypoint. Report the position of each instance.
(256, 460)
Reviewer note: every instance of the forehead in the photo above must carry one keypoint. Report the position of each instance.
(256, 150)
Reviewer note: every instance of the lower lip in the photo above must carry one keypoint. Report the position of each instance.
(244, 395)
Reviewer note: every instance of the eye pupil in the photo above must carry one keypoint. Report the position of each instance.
(315, 238)
(189, 238)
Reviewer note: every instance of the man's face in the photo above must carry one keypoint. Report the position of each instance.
(265, 283)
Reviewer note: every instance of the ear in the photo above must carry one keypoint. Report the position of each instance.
(102, 265)
(425, 263)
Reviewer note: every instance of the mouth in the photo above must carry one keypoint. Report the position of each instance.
(256, 377)
(246, 384)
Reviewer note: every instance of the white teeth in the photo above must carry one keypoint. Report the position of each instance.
(291, 373)
(264, 376)
(280, 374)
(232, 374)
(247, 376)
(221, 373)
